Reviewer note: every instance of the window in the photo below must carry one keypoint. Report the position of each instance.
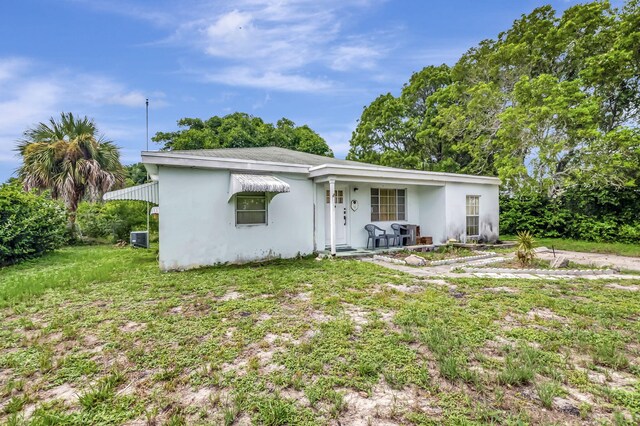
(339, 196)
(388, 204)
(251, 208)
(473, 215)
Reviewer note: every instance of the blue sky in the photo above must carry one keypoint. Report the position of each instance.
(314, 62)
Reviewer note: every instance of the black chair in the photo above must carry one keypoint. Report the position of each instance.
(398, 235)
(371, 229)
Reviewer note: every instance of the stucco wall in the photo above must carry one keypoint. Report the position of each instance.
(456, 198)
(197, 221)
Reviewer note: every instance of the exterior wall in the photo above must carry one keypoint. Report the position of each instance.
(197, 221)
(432, 203)
(456, 219)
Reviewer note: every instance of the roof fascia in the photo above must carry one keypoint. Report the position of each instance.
(176, 160)
(353, 172)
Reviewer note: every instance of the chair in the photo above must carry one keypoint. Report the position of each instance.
(371, 229)
(398, 235)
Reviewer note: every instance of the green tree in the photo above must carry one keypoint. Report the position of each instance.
(240, 130)
(136, 174)
(70, 159)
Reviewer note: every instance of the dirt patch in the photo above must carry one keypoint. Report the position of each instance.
(623, 287)
(441, 283)
(613, 379)
(385, 406)
(230, 295)
(131, 327)
(405, 288)
(501, 290)
(304, 297)
(545, 314)
(190, 397)
(598, 259)
(64, 392)
(357, 315)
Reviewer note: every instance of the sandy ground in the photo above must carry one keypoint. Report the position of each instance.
(598, 259)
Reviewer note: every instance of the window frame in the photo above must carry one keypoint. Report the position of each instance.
(242, 195)
(474, 214)
(392, 215)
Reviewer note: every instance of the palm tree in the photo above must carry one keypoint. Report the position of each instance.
(70, 159)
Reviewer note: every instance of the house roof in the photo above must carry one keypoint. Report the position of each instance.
(281, 160)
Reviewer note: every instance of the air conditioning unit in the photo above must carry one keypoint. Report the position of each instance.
(139, 239)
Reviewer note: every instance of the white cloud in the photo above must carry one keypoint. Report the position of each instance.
(347, 58)
(28, 96)
(274, 43)
(245, 76)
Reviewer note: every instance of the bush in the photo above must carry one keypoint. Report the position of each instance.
(30, 224)
(113, 220)
(603, 215)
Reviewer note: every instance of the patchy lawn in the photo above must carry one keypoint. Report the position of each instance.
(97, 335)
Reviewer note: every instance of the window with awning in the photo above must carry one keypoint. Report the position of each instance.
(247, 183)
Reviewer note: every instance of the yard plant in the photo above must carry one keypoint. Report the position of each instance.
(97, 335)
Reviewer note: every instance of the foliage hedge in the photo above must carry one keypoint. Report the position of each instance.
(30, 224)
(590, 214)
(113, 220)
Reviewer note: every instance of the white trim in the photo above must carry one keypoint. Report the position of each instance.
(379, 181)
(204, 162)
(401, 174)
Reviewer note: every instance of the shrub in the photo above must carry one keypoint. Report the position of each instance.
(524, 250)
(113, 220)
(30, 224)
(590, 214)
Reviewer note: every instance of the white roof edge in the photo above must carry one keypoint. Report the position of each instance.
(186, 160)
(169, 158)
(339, 169)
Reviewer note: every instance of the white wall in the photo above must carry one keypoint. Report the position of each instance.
(456, 198)
(433, 213)
(197, 221)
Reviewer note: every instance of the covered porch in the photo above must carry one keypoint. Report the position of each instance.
(345, 205)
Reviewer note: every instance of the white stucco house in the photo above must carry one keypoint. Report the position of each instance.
(244, 204)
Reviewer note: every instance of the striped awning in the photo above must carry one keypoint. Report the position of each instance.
(145, 192)
(256, 183)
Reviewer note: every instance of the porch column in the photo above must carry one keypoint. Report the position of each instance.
(332, 215)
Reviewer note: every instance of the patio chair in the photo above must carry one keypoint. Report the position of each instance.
(371, 229)
(398, 235)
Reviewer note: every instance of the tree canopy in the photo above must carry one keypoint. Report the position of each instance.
(550, 104)
(240, 130)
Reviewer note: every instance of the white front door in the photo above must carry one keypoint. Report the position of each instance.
(340, 212)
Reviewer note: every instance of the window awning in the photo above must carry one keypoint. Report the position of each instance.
(256, 183)
(145, 192)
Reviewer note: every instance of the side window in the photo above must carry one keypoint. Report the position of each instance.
(473, 215)
(251, 208)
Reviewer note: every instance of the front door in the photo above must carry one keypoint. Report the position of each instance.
(340, 213)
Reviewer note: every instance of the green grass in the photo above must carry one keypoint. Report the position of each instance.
(622, 249)
(97, 335)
